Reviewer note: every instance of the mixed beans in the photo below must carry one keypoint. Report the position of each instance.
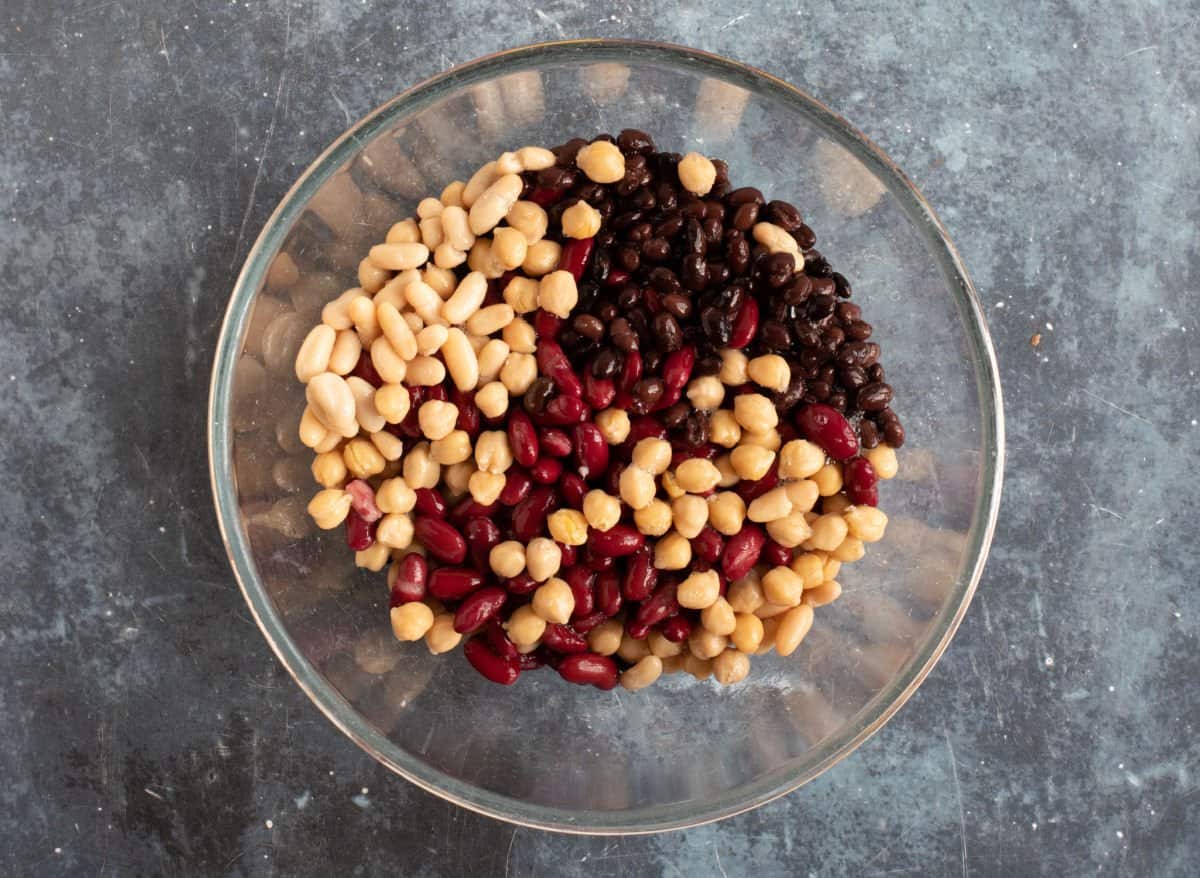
(595, 409)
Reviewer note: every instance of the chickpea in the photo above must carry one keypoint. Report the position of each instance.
(457, 478)
(542, 258)
(374, 557)
(755, 412)
(689, 514)
(660, 646)
(441, 636)
(828, 479)
(726, 512)
(770, 506)
(580, 220)
(362, 458)
(852, 549)
(614, 425)
(393, 402)
(518, 373)
(751, 462)
(329, 469)
(395, 530)
(734, 367)
(636, 487)
(747, 632)
(525, 626)
(791, 530)
(420, 469)
(768, 439)
(770, 371)
(645, 673)
(699, 668)
(569, 526)
(706, 393)
(809, 567)
(731, 666)
(699, 590)
(509, 247)
(781, 585)
(507, 559)
(529, 219)
(718, 617)
(553, 601)
(865, 523)
(652, 455)
(697, 173)
(673, 552)
(883, 459)
(746, 594)
(671, 486)
(394, 495)
(437, 419)
(835, 505)
(485, 487)
(828, 531)
(492, 399)
(411, 621)
(558, 293)
(329, 508)
(704, 644)
(723, 429)
(454, 447)
(519, 336)
(521, 294)
(729, 477)
(803, 493)
(654, 519)
(697, 476)
(543, 558)
(601, 161)
(793, 626)
(602, 511)
(492, 451)
(605, 638)
(831, 568)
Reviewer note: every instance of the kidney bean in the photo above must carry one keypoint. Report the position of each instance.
(573, 489)
(742, 551)
(708, 545)
(555, 443)
(828, 428)
(775, 554)
(497, 639)
(495, 668)
(619, 540)
(659, 606)
(362, 500)
(412, 575)
(522, 438)
(453, 583)
(552, 362)
(545, 196)
(641, 575)
(569, 554)
(360, 533)
(575, 254)
(469, 415)
(517, 485)
(644, 427)
(430, 502)
(750, 491)
(608, 592)
(745, 325)
(589, 669)
(482, 535)
(441, 539)
(591, 451)
(546, 325)
(529, 516)
(598, 392)
(677, 368)
(582, 582)
(584, 624)
(631, 371)
(563, 411)
(521, 584)
(531, 661)
(438, 392)
(677, 629)
(469, 508)
(862, 484)
(479, 608)
(564, 639)
(546, 471)
(365, 369)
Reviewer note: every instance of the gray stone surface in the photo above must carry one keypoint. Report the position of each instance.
(145, 728)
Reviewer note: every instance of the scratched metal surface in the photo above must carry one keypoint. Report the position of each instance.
(146, 729)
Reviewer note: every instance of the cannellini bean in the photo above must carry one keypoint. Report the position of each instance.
(432, 235)
(391, 447)
(445, 256)
(452, 195)
(794, 625)
(777, 240)
(491, 319)
(390, 365)
(332, 403)
(399, 257)
(398, 333)
(426, 371)
(347, 348)
(466, 299)
(491, 360)
(404, 232)
(457, 229)
(315, 351)
(495, 202)
(431, 338)
(364, 405)
(461, 361)
(335, 313)
(825, 593)
(312, 432)
(425, 301)
(645, 673)
(535, 158)
(478, 184)
(362, 312)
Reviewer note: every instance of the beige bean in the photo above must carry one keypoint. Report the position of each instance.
(542, 257)
(553, 601)
(508, 163)
(492, 399)
(480, 259)
(420, 469)
(703, 644)
(770, 506)
(731, 666)
(697, 476)
(825, 593)
(518, 373)
(391, 447)
(315, 351)
(525, 626)
(395, 495)
(404, 232)
(398, 257)
(699, 668)
(363, 459)
(395, 530)
(441, 280)
(478, 184)
(451, 196)
(331, 441)
(697, 173)
(329, 508)
(397, 331)
(332, 403)
(605, 638)
(509, 247)
(466, 299)
(558, 293)
(460, 359)
(495, 202)
(636, 487)
(441, 636)
(424, 299)
(411, 621)
(690, 515)
(747, 632)
(428, 207)
(794, 625)
(457, 229)
(654, 519)
(430, 339)
(568, 526)
(437, 418)
(365, 412)
(718, 617)
(392, 292)
(491, 319)
(347, 348)
(865, 523)
(631, 650)
(601, 161)
(745, 595)
(580, 220)
(660, 646)
(426, 371)
(535, 158)
(699, 590)
(446, 256)
(432, 235)
(393, 401)
(614, 424)
(530, 220)
(491, 360)
(335, 313)
(362, 313)
(601, 509)
(645, 673)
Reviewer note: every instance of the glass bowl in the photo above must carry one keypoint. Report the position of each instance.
(544, 753)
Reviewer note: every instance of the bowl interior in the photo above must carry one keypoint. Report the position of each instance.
(544, 752)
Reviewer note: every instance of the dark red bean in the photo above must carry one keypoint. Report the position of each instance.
(570, 554)
(477, 609)
(565, 410)
(573, 489)
(617, 541)
(522, 438)
(575, 254)
(640, 575)
(482, 534)
(608, 592)
(429, 502)
(360, 533)
(750, 491)
(742, 551)
(441, 539)
(546, 471)
(828, 428)
(644, 427)
(582, 583)
(677, 629)
(517, 485)
(497, 639)
(775, 554)
(598, 392)
(659, 606)
(469, 416)
(545, 196)
(495, 668)
(412, 576)
(531, 661)
(585, 624)
(362, 500)
(555, 443)
(589, 669)
(631, 371)
(365, 369)
(862, 484)
(546, 325)
(708, 545)
(469, 508)
(553, 363)
(591, 451)
(529, 516)
(564, 639)
(598, 562)
(454, 583)
(745, 326)
(677, 368)
(521, 584)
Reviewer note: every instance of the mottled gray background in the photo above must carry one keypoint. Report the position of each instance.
(145, 728)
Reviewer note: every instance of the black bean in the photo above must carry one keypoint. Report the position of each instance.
(822, 286)
(827, 374)
(804, 237)
(853, 377)
(656, 250)
(675, 415)
(623, 222)
(718, 273)
(784, 215)
(667, 332)
(538, 395)
(565, 155)
(745, 195)
(875, 372)
(820, 307)
(664, 280)
(874, 397)
(606, 364)
(600, 265)
(670, 225)
(833, 338)
(859, 330)
(848, 312)
(779, 268)
(644, 200)
(677, 305)
(694, 272)
(775, 336)
(592, 193)
(816, 266)
(649, 390)
(714, 210)
(841, 286)
(651, 360)
(713, 229)
(745, 217)
(893, 434)
(608, 312)
(639, 233)
(819, 390)
(629, 297)
(692, 206)
(707, 365)
(589, 326)
(868, 433)
(693, 237)
(667, 197)
(628, 258)
(792, 395)
(717, 324)
(557, 178)
(737, 254)
(623, 335)
(695, 429)
(837, 400)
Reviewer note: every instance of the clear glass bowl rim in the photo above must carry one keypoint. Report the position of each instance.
(642, 820)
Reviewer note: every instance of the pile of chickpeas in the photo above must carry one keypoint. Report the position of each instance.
(441, 332)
